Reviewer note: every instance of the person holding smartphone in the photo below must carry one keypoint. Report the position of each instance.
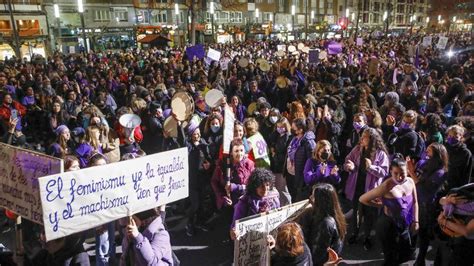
(11, 110)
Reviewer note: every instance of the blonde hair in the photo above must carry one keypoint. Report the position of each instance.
(90, 137)
(138, 105)
(320, 145)
(456, 129)
(251, 126)
(410, 117)
(284, 122)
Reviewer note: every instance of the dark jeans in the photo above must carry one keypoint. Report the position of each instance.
(396, 242)
(362, 217)
(296, 187)
(427, 218)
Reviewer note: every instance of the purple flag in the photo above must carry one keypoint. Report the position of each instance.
(195, 51)
(334, 48)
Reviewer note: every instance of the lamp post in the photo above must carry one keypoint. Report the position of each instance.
(257, 14)
(211, 11)
(56, 15)
(312, 16)
(385, 17)
(293, 13)
(80, 9)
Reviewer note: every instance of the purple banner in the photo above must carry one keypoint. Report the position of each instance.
(334, 48)
(195, 51)
(313, 56)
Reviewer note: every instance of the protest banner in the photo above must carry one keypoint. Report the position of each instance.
(79, 200)
(229, 120)
(224, 63)
(359, 41)
(442, 42)
(195, 51)
(313, 56)
(214, 54)
(427, 41)
(250, 248)
(334, 48)
(19, 173)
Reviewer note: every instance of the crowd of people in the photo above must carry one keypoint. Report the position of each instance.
(377, 138)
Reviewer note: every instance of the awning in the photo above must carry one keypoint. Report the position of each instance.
(149, 38)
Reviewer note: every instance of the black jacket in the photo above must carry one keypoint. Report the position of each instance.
(459, 166)
(301, 260)
(320, 235)
(406, 140)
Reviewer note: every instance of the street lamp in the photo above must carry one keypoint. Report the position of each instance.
(347, 12)
(211, 10)
(454, 19)
(312, 16)
(56, 15)
(293, 13)
(427, 20)
(256, 15)
(80, 9)
(439, 18)
(176, 11)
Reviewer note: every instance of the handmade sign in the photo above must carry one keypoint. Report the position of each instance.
(79, 200)
(19, 172)
(250, 248)
(313, 56)
(229, 120)
(442, 42)
(214, 54)
(427, 41)
(360, 41)
(259, 146)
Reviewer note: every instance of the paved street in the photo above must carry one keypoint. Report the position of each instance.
(214, 248)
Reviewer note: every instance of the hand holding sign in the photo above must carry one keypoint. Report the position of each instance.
(132, 229)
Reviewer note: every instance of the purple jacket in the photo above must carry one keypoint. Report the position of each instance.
(152, 247)
(313, 175)
(375, 174)
(250, 205)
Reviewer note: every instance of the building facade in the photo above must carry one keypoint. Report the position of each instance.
(23, 28)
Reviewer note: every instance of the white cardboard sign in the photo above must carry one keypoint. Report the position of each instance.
(442, 42)
(214, 54)
(229, 120)
(79, 200)
(250, 248)
(19, 172)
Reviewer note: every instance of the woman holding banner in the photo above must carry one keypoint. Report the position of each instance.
(324, 224)
(146, 241)
(259, 197)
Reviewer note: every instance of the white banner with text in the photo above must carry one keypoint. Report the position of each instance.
(79, 200)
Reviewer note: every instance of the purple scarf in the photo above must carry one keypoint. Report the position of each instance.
(293, 147)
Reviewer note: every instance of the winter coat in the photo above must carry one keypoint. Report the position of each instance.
(279, 145)
(405, 143)
(375, 173)
(151, 247)
(459, 166)
(249, 205)
(240, 173)
(320, 235)
(198, 154)
(329, 130)
(313, 175)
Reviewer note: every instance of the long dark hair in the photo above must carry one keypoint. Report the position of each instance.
(438, 160)
(326, 203)
(375, 143)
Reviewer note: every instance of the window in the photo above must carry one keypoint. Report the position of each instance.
(376, 6)
(235, 17)
(121, 14)
(270, 1)
(399, 19)
(160, 17)
(375, 18)
(102, 15)
(222, 17)
(365, 18)
(420, 9)
(161, 1)
(258, 1)
(400, 9)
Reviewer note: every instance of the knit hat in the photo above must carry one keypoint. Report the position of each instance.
(60, 130)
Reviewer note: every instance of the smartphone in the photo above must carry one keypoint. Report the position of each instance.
(14, 114)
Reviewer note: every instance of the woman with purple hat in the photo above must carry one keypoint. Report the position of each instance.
(199, 177)
(63, 145)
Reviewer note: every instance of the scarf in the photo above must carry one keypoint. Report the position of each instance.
(293, 147)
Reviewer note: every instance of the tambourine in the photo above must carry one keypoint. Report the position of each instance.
(243, 62)
(213, 98)
(300, 46)
(291, 48)
(182, 105)
(281, 82)
(265, 66)
(252, 108)
(170, 126)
